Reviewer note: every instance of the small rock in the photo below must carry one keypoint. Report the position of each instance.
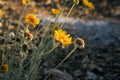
(77, 73)
(91, 75)
(59, 75)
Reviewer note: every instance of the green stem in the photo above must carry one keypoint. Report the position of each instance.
(50, 50)
(68, 14)
(79, 15)
(27, 27)
(3, 53)
(45, 32)
(69, 54)
(20, 20)
(3, 57)
(62, 9)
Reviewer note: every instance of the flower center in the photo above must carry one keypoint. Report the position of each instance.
(3, 68)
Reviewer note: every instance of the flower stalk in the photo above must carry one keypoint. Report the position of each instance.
(69, 54)
(68, 14)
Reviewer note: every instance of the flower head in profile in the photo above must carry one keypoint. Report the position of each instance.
(76, 2)
(55, 11)
(90, 5)
(31, 19)
(4, 68)
(62, 37)
(24, 2)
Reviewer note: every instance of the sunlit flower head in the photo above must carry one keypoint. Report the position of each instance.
(90, 5)
(24, 2)
(76, 2)
(62, 37)
(4, 68)
(31, 19)
(55, 11)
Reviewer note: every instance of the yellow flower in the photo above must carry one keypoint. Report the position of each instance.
(62, 37)
(76, 2)
(90, 5)
(1, 12)
(4, 68)
(24, 2)
(31, 19)
(55, 11)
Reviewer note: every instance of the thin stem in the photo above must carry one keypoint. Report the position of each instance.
(69, 54)
(3, 53)
(61, 10)
(68, 14)
(50, 50)
(78, 15)
(3, 57)
(45, 32)
(27, 27)
(20, 20)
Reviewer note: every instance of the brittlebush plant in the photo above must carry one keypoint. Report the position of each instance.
(22, 51)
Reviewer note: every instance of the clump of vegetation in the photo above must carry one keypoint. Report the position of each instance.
(22, 51)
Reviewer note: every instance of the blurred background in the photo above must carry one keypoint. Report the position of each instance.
(103, 8)
(108, 10)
